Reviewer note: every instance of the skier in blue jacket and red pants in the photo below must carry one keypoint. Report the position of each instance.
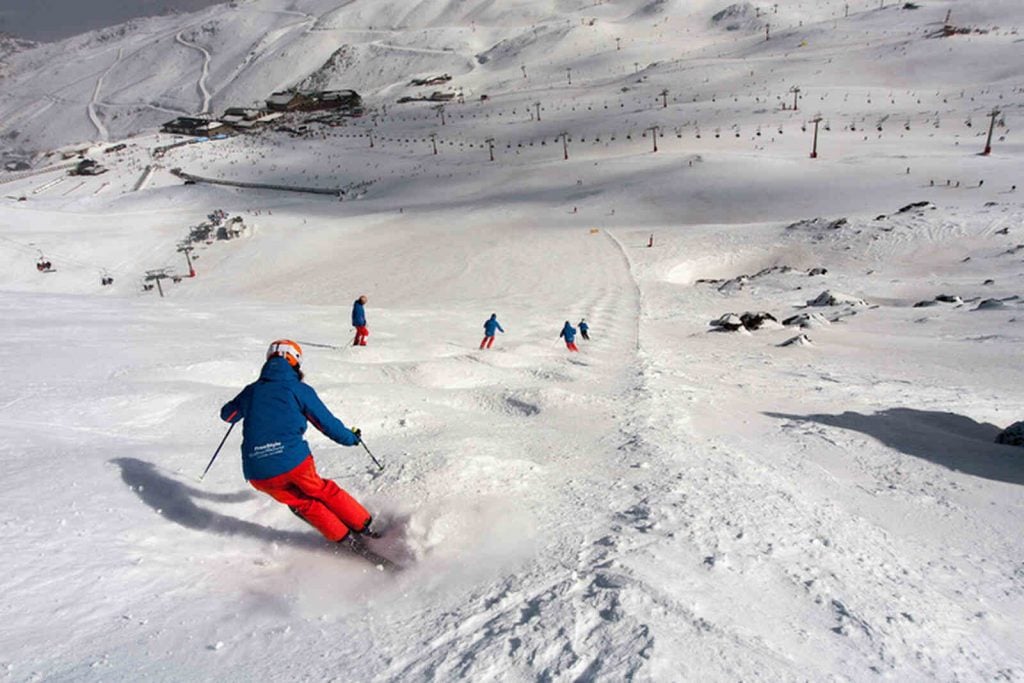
(490, 327)
(275, 457)
(359, 321)
(568, 333)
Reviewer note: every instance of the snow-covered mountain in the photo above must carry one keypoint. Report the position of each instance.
(817, 497)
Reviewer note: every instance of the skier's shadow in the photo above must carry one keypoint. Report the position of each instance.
(175, 501)
(947, 439)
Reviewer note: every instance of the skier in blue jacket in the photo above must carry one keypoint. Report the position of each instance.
(584, 329)
(490, 326)
(569, 334)
(359, 321)
(275, 457)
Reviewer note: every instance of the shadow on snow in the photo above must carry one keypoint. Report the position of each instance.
(953, 441)
(175, 501)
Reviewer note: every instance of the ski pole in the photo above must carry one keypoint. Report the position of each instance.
(217, 452)
(375, 461)
(323, 346)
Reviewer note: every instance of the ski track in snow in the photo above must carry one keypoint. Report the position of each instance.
(414, 50)
(93, 115)
(569, 582)
(204, 92)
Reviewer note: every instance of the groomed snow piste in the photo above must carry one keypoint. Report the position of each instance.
(674, 502)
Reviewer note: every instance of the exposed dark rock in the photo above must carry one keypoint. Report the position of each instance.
(799, 340)
(1012, 435)
(818, 224)
(749, 321)
(830, 298)
(729, 322)
(916, 206)
(990, 304)
(941, 298)
(807, 320)
(740, 281)
(754, 321)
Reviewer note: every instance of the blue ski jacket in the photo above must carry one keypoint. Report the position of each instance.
(569, 332)
(275, 409)
(584, 327)
(358, 315)
(491, 325)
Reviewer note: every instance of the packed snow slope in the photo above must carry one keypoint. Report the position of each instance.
(671, 503)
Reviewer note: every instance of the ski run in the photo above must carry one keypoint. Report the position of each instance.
(772, 458)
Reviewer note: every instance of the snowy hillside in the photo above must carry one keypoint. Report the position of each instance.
(820, 498)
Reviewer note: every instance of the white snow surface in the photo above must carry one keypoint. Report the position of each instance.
(669, 504)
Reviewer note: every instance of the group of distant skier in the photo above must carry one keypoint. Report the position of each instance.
(568, 333)
(491, 328)
(278, 461)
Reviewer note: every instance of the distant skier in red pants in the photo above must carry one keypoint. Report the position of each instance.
(275, 457)
(490, 327)
(569, 334)
(359, 321)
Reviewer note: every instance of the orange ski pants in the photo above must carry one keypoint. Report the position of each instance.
(321, 502)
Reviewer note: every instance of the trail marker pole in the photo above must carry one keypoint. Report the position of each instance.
(814, 148)
(991, 128)
(654, 136)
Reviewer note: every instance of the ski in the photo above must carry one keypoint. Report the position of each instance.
(357, 546)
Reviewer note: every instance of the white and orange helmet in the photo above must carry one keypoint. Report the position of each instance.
(288, 350)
